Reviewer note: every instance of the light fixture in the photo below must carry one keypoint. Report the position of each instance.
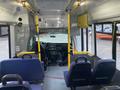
(59, 22)
(82, 3)
(25, 4)
(46, 24)
(17, 4)
(77, 3)
(58, 18)
(20, 1)
(58, 10)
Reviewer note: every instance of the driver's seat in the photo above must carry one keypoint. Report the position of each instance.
(79, 75)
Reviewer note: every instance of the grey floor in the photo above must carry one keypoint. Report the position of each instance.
(54, 75)
(54, 79)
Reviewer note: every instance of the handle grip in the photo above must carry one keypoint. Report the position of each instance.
(28, 56)
(83, 58)
(11, 77)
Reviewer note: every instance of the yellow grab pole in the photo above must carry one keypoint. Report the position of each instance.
(37, 30)
(69, 29)
(23, 53)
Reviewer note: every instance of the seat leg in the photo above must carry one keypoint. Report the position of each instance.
(73, 88)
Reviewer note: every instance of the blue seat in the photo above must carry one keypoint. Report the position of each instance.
(14, 82)
(103, 71)
(79, 75)
(29, 69)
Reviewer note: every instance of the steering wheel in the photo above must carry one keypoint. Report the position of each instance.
(81, 58)
(27, 56)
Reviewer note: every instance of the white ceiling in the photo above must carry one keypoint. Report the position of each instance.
(51, 7)
(52, 11)
(11, 6)
(99, 10)
(56, 9)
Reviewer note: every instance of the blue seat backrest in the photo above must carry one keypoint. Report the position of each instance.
(104, 68)
(80, 70)
(14, 88)
(28, 69)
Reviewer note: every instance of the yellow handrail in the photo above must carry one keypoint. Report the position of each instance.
(69, 29)
(23, 53)
(37, 30)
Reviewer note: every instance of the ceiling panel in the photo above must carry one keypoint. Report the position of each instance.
(52, 12)
(51, 7)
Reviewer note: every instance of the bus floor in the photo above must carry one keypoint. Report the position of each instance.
(54, 80)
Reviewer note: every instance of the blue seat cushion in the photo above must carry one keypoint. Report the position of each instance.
(103, 71)
(78, 75)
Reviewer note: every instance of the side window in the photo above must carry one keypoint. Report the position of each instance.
(3, 30)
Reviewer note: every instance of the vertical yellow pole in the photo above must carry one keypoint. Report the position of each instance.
(37, 30)
(69, 29)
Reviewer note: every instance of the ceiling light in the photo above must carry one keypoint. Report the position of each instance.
(46, 24)
(82, 3)
(77, 3)
(58, 10)
(18, 4)
(59, 22)
(25, 4)
(19, 1)
(58, 18)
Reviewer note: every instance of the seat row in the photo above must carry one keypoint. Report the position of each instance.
(81, 73)
(31, 71)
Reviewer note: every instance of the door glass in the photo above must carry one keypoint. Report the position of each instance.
(4, 46)
(118, 47)
(104, 40)
(4, 30)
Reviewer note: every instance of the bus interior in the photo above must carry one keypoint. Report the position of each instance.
(59, 45)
